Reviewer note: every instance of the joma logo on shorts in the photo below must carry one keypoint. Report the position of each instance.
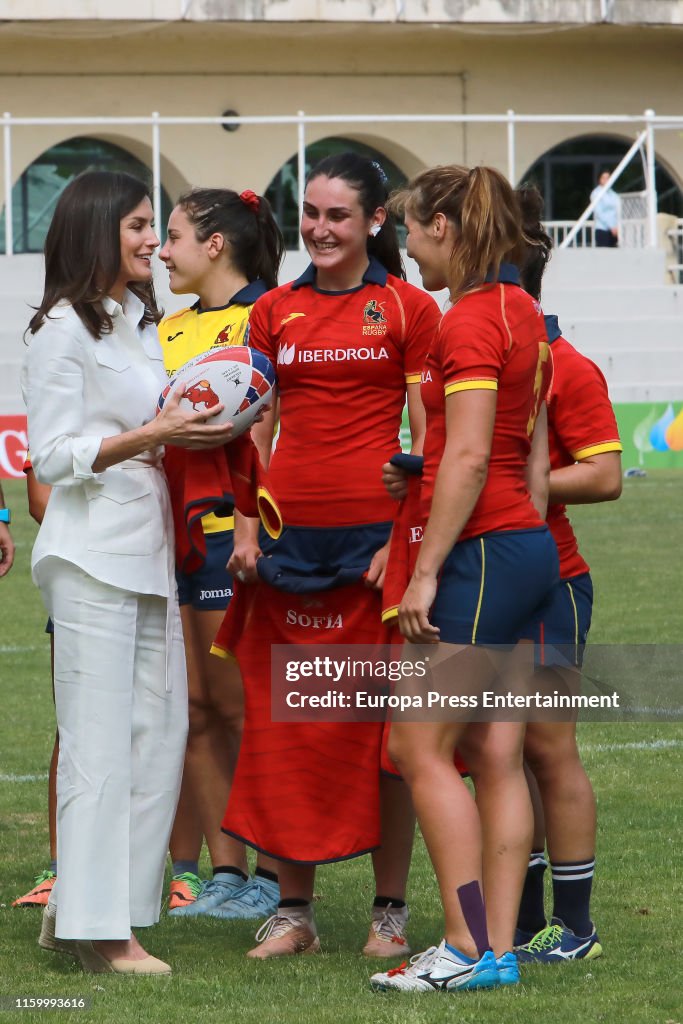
(295, 618)
(209, 595)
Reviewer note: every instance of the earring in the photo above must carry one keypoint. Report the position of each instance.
(375, 230)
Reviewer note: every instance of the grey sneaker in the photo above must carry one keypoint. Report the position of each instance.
(387, 935)
(289, 931)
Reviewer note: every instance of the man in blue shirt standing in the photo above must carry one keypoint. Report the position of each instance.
(606, 214)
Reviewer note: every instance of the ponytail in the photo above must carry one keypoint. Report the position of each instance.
(538, 243)
(247, 224)
(489, 228)
(270, 246)
(385, 248)
(482, 206)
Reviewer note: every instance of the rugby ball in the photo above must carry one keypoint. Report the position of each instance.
(237, 377)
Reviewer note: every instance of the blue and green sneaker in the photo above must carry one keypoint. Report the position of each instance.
(183, 890)
(557, 943)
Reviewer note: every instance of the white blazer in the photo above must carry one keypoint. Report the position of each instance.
(116, 525)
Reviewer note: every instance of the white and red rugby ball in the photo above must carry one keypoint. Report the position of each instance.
(238, 377)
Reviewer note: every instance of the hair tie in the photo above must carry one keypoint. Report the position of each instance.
(250, 199)
(380, 170)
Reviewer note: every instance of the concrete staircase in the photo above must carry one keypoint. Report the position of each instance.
(612, 305)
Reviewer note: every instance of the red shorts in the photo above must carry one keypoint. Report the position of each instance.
(303, 792)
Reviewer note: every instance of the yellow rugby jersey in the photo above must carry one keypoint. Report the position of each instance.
(192, 331)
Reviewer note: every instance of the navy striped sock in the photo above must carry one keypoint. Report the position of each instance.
(531, 916)
(572, 884)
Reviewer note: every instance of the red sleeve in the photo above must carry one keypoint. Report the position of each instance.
(473, 352)
(259, 333)
(583, 417)
(423, 317)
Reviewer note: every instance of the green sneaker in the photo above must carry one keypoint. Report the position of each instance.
(183, 890)
(40, 893)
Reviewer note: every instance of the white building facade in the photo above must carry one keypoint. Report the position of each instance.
(579, 68)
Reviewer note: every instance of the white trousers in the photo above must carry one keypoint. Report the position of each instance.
(121, 747)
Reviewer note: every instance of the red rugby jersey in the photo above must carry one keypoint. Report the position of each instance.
(581, 423)
(494, 339)
(343, 360)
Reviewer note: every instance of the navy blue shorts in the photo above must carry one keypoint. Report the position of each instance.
(308, 559)
(209, 588)
(491, 586)
(560, 628)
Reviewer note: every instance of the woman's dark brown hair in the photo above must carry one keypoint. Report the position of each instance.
(369, 180)
(83, 249)
(247, 224)
(539, 244)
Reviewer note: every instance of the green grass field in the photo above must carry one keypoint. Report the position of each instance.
(635, 553)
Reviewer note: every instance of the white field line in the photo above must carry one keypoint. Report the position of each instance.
(24, 778)
(588, 748)
(14, 649)
(598, 748)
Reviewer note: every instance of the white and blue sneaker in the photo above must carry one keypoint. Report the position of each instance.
(557, 943)
(217, 890)
(438, 969)
(257, 899)
(508, 969)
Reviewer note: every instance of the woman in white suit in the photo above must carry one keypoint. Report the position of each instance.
(103, 560)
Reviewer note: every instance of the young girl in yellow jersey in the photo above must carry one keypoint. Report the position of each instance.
(226, 248)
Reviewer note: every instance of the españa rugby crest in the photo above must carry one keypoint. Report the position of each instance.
(374, 320)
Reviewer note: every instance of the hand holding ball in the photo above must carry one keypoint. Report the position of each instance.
(237, 377)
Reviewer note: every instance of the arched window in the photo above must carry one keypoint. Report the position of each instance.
(282, 191)
(35, 194)
(567, 174)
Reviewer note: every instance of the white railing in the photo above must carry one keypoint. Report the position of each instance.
(646, 137)
(676, 236)
(510, 121)
(559, 229)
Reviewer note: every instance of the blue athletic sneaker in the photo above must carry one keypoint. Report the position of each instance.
(258, 899)
(508, 970)
(437, 969)
(557, 943)
(217, 890)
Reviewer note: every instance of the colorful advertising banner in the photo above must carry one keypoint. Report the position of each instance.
(13, 442)
(651, 433)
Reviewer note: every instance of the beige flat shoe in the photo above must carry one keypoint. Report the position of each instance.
(95, 963)
(47, 938)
